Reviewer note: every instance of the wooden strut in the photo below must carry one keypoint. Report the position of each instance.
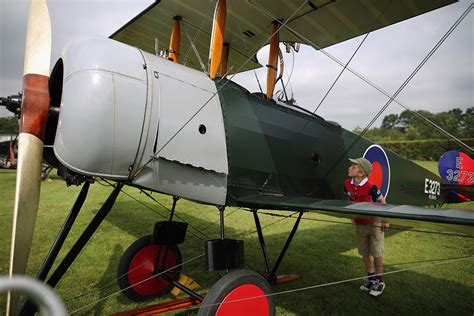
(217, 38)
(225, 59)
(161, 308)
(175, 40)
(272, 61)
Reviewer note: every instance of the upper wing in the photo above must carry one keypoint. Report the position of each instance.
(440, 215)
(248, 24)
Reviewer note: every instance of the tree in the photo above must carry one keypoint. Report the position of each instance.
(410, 125)
(390, 121)
(8, 125)
(468, 123)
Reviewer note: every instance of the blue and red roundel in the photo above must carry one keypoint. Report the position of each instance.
(456, 167)
(380, 175)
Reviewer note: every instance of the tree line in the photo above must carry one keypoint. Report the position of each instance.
(409, 126)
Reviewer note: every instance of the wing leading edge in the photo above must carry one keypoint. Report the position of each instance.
(438, 215)
(249, 24)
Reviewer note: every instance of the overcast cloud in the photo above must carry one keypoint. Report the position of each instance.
(386, 58)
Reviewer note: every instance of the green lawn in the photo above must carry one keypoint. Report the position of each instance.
(322, 252)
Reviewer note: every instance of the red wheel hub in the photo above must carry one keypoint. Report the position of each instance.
(142, 268)
(247, 299)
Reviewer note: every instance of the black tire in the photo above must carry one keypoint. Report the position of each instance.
(136, 266)
(227, 288)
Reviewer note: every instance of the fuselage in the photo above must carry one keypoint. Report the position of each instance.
(134, 117)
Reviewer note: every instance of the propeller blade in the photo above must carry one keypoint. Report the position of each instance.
(34, 112)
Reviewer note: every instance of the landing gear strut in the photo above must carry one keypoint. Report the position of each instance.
(239, 292)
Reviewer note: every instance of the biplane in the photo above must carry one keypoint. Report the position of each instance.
(187, 130)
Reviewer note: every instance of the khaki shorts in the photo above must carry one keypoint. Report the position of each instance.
(370, 240)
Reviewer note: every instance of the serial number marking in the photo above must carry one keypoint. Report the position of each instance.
(461, 176)
(432, 188)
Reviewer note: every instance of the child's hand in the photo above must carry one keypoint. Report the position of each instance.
(385, 226)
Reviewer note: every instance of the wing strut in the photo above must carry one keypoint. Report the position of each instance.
(225, 59)
(175, 40)
(217, 38)
(272, 61)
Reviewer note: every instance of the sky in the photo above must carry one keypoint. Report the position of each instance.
(386, 58)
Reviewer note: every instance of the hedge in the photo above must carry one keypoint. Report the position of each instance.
(426, 149)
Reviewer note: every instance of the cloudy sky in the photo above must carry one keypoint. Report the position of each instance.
(386, 58)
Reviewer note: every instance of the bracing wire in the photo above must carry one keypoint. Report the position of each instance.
(311, 287)
(382, 13)
(142, 281)
(177, 216)
(193, 46)
(404, 84)
(182, 264)
(340, 73)
(367, 81)
(291, 72)
(392, 227)
(163, 206)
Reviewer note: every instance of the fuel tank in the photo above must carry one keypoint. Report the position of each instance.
(132, 116)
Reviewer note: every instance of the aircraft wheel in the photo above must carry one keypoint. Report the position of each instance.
(137, 268)
(231, 296)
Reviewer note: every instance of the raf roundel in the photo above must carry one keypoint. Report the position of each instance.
(380, 175)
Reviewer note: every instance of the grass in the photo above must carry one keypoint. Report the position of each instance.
(322, 252)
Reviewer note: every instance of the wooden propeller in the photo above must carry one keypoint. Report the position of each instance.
(34, 112)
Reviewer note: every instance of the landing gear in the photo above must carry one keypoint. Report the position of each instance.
(241, 292)
(143, 269)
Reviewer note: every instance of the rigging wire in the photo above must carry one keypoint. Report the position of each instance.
(180, 218)
(243, 234)
(193, 46)
(340, 74)
(395, 227)
(373, 85)
(404, 84)
(113, 283)
(291, 72)
(163, 206)
(207, 226)
(138, 283)
(186, 57)
(245, 45)
(258, 81)
(382, 13)
(106, 286)
(427, 57)
(459, 259)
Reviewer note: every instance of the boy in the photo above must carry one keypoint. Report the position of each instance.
(369, 231)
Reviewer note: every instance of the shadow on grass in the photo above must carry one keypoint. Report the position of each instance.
(319, 255)
(108, 278)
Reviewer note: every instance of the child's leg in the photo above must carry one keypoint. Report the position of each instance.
(379, 267)
(369, 263)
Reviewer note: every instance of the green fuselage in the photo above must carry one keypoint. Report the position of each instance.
(280, 150)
